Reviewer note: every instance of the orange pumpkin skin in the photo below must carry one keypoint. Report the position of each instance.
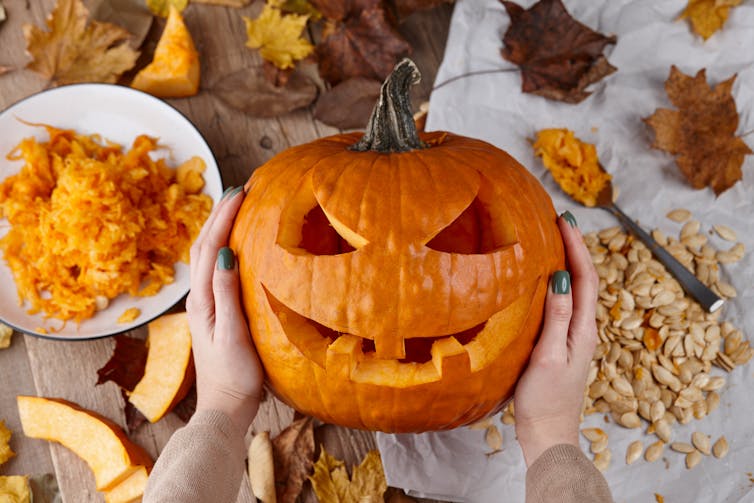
(394, 286)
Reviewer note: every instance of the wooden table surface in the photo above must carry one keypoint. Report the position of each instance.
(36, 366)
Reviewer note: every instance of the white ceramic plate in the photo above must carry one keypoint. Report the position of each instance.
(119, 114)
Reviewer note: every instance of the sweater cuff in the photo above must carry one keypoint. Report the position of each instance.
(556, 454)
(221, 422)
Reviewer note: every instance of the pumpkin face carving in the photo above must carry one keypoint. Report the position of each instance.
(395, 291)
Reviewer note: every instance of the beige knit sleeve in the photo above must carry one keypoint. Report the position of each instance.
(203, 461)
(564, 474)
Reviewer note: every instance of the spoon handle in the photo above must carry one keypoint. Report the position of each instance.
(698, 290)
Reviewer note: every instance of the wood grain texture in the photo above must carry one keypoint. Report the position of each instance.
(240, 143)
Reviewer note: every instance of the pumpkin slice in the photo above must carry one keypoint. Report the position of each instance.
(131, 489)
(97, 440)
(169, 372)
(174, 71)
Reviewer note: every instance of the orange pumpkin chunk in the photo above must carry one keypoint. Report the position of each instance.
(174, 71)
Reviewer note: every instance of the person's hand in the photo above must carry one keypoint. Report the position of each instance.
(550, 394)
(228, 372)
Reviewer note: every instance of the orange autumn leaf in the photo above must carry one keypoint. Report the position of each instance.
(708, 16)
(701, 134)
(573, 164)
(75, 50)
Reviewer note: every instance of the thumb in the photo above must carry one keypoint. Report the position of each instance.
(229, 316)
(553, 342)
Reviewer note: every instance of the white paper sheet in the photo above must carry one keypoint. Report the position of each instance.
(453, 465)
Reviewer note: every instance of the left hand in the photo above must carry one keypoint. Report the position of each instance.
(228, 371)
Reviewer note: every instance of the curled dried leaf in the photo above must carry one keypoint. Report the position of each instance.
(294, 456)
(349, 104)
(247, 90)
(262, 468)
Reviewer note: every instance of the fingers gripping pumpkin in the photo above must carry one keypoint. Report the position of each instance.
(394, 282)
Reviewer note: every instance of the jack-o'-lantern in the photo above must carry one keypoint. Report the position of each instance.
(394, 281)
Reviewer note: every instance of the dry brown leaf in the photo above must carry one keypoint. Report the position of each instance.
(559, 57)
(349, 104)
(332, 484)
(294, 457)
(72, 51)
(701, 134)
(708, 16)
(405, 8)
(395, 495)
(359, 41)
(303, 7)
(249, 91)
(126, 365)
(129, 14)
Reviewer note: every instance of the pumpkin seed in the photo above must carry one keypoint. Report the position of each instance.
(602, 460)
(594, 434)
(720, 449)
(654, 451)
(508, 418)
(690, 228)
(482, 424)
(693, 459)
(630, 420)
(657, 411)
(682, 447)
(494, 439)
(634, 451)
(599, 445)
(701, 442)
(679, 215)
(726, 289)
(662, 430)
(725, 232)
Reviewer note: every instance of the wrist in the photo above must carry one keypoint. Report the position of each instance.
(536, 438)
(240, 412)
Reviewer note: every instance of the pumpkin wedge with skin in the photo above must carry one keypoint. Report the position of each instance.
(169, 372)
(174, 71)
(129, 490)
(395, 281)
(97, 440)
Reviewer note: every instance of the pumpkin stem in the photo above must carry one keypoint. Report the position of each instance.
(391, 127)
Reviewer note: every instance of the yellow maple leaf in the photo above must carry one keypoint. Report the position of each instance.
(6, 333)
(5, 451)
(162, 7)
(74, 51)
(278, 36)
(708, 16)
(332, 484)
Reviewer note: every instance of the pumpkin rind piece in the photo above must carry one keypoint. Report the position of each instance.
(131, 489)
(175, 70)
(97, 440)
(169, 372)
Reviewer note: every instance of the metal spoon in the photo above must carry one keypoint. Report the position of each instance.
(698, 290)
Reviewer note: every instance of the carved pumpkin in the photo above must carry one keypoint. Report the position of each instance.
(395, 283)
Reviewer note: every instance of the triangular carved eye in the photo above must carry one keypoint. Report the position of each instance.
(474, 231)
(319, 237)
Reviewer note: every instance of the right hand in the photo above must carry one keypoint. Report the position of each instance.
(549, 396)
(229, 374)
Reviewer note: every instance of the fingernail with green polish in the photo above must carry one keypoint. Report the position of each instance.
(235, 192)
(561, 282)
(568, 217)
(225, 259)
(227, 191)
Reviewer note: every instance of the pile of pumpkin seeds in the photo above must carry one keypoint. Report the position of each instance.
(653, 365)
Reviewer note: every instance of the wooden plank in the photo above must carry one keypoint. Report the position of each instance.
(32, 456)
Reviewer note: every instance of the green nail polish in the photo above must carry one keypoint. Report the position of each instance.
(568, 217)
(225, 259)
(561, 282)
(235, 192)
(227, 191)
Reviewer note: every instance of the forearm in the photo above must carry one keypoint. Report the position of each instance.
(563, 474)
(203, 461)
